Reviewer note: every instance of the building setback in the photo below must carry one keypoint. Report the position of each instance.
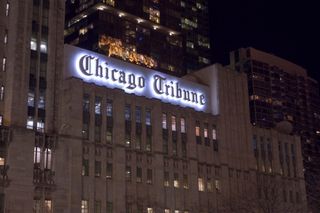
(170, 36)
(282, 91)
(73, 143)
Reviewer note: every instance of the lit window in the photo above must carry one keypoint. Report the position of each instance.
(83, 31)
(30, 122)
(150, 210)
(41, 103)
(190, 44)
(164, 121)
(154, 15)
(148, 117)
(1, 120)
(43, 47)
(214, 133)
(109, 135)
(48, 158)
(167, 211)
(173, 123)
(217, 184)
(33, 44)
(176, 183)
(40, 125)
(84, 206)
(31, 98)
(7, 9)
(205, 130)
(4, 63)
(183, 125)
(48, 206)
(1, 161)
(176, 211)
(5, 39)
(97, 106)
(109, 108)
(109, 2)
(36, 155)
(1, 93)
(201, 184)
(198, 130)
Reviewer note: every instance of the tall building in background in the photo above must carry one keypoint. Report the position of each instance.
(280, 90)
(170, 36)
(30, 38)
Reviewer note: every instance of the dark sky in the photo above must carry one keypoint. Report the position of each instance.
(287, 29)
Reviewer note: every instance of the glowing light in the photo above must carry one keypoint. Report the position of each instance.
(155, 27)
(171, 33)
(114, 47)
(139, 20)
(121, 15)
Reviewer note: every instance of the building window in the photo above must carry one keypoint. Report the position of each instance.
(84, 206)
(48, 206)
(85, 167)
(214, 132)
(183, 125)
(185, 182)
(97, 206)
(138, 141)
(109, 108)
(127, 112)
(33, 44)
(197, 129)
(149, 143)
(128, 139)
(109, 207)
(1, 120)
(41, 102)
(166, 179)
(149, 176)
(148, 117)
(138, 114)
(109, 135)
(97, 168)
(29, 122)
(167, 211)
(97, 105)
(173, 123)
(7, 8)
(154, 15)
(201, 184)
(43, 47)
(217, 185)
(205, 131)
(86, 103)
(109, 171)
(150, 210)
(139, 174)
(36, 156)
(36, 206)
(1, 93)
(164, 121)
(47, 158)
(4, 64)
(128, 173)
(5, 39)
(210, 185)
(31, 98)
(176, 183)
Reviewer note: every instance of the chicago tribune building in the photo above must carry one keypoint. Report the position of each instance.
(84, 132)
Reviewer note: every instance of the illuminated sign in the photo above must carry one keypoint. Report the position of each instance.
(112, 73)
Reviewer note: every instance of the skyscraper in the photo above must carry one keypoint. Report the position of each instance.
(171, 36)
(280, 90)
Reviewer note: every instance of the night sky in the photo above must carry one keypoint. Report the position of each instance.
(286, 30)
